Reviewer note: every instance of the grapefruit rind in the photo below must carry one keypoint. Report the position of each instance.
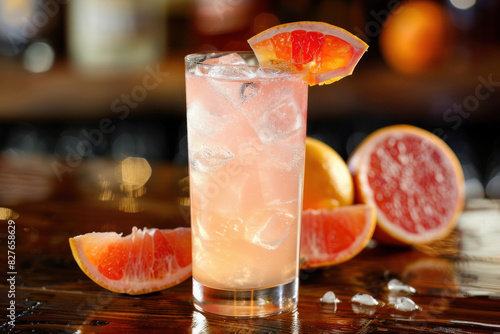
(312, 257)
(267, 55)
(327, 180)
(127, 284)
(386, 231)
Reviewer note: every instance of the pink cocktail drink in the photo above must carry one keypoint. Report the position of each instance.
(246, 139)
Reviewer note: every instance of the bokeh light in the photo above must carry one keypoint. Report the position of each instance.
(417, 37)
(133, 173)
(463, 4)
(38, 57)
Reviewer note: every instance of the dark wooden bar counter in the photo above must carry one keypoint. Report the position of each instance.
(457, 280)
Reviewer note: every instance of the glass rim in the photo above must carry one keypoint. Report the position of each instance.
(198, 58)
(193, 58)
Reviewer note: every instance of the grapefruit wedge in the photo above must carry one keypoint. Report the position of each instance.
(325, 53)
(414, 180)
(330, 237)
(142, 262)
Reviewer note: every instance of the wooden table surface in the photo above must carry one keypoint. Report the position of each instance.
(457, 280)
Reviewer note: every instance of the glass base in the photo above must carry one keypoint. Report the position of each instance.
(246, 303)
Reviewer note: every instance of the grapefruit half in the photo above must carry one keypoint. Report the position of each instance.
(414, 180)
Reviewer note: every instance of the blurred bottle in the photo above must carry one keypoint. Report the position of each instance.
(493, 172)
(116, 35)
(224, 24)
(23, 22)
(217, 17)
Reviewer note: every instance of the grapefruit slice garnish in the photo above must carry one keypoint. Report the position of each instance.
(325, 53)
(414, 180)
(142, 262)
(330, 237)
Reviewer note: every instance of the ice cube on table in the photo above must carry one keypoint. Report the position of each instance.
(329, 298)
(363, 309)
(364, 299)
(396, 285)
(404, 304)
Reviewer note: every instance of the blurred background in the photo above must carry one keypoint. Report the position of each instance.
(111, 73)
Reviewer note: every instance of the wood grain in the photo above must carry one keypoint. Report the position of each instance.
(457, 280)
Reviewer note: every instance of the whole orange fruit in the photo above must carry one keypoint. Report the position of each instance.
(416, 37)
(327, 181)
